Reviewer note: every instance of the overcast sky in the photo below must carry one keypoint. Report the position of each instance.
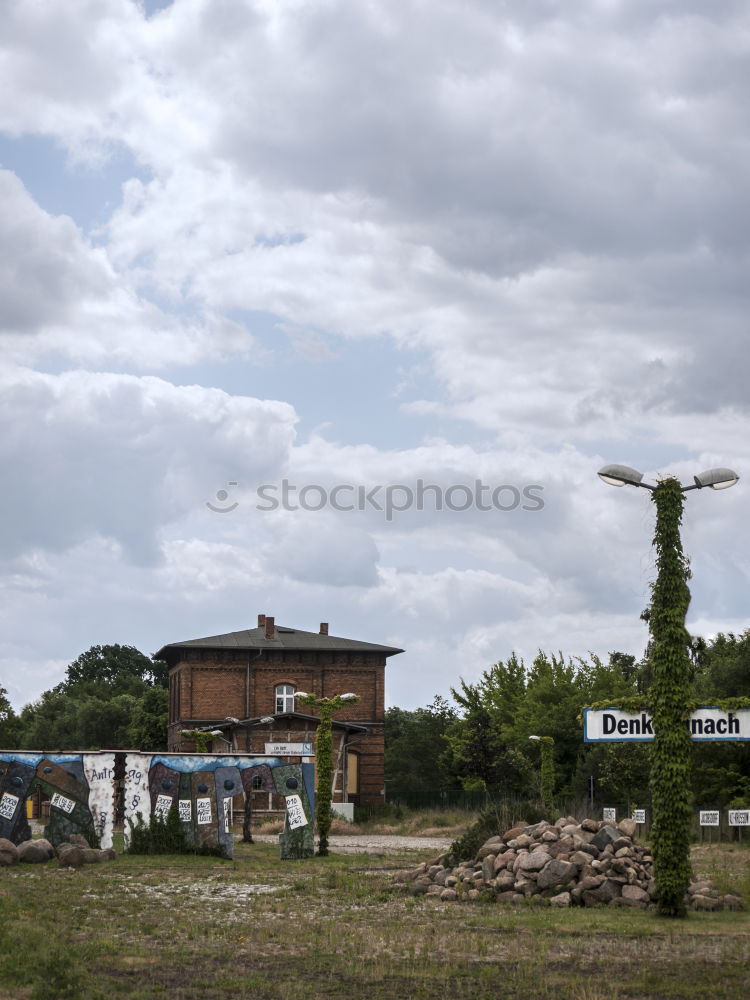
(364, 244)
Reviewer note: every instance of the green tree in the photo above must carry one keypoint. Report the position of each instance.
(415, 749)
(484, 742)
(116, 666)
(112, 697)
(9, 722)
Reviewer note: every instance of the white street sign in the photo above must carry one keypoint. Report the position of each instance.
(709, 817)
(611, 725)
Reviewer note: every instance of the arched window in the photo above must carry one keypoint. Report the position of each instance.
(284, 698)
(257, 782)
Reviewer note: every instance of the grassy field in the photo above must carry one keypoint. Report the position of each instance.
(205, 929)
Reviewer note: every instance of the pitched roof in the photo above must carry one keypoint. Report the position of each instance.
(284, 638)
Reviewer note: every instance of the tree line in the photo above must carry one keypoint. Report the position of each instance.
(116, 697)
(480, 739)
(113, 697)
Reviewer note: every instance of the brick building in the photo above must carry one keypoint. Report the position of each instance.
(236, 682)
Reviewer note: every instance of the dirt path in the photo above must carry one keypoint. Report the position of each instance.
(374, 844)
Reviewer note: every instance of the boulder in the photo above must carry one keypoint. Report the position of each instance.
(732, 902)
(8, 852)
(706, 903)
(627, 827)
(607, 835)
(580, 858)
(561, 899)
(556, 873)
(535, 861)
(34, 852)
(70, 856)
(48, 847)
(488, 867)
(78, 840)
(634, 892)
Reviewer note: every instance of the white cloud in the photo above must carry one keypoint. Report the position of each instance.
(90, 454)
(547, 202)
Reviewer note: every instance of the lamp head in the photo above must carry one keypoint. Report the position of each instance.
(717, 479)
(622, 475)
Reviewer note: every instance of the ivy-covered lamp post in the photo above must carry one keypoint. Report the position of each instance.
(324, 758)
(248, 724)
(547, 768)
(669, 694)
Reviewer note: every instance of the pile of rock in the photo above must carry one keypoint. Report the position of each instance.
(566, 864)
(71, 854)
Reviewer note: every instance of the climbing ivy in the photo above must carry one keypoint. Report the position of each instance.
(670, 698)
(547, 769)
(324, 761)
(200, 737)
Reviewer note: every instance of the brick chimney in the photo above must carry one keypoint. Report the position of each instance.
(261, 621)
(324, 628)
(270, 628)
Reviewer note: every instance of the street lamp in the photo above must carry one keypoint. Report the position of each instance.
(547, 768)
(248, 724)
(669, 693)
(324, 758)
(623, 475)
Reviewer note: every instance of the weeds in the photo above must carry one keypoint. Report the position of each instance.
(196, 928)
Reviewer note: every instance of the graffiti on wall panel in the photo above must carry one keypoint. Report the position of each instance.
(82, 790)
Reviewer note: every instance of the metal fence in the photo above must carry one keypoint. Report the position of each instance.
(513, 809)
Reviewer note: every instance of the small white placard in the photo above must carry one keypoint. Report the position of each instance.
(186, 810)
(295, 812)
(609, 815)
(61, 802)
(203, 811)
(289, 749)
(227, 803)
(708, 817)
(739, 817)
(639, 815)
(8, 805)
(163, 805)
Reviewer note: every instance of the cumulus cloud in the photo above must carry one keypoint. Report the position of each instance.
(119, 456)
(545, 202)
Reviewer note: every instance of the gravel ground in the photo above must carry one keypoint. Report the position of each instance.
(374, 844)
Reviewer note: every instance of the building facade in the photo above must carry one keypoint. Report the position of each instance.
(243, 685)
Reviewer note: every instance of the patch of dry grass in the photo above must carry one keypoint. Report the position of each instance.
(197, 929)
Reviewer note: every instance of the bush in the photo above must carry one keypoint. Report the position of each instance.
(164, 836)
(495, 819)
